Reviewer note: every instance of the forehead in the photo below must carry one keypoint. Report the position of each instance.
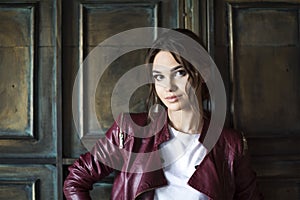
(164, 60)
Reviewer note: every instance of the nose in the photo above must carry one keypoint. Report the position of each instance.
(170, 85)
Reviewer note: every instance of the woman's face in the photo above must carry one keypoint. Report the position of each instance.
(171, 82)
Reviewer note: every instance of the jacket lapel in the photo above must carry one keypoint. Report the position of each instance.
(207, 178)
(155, 179)
(208, 175)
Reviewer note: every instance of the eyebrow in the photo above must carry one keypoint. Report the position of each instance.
(172, 70)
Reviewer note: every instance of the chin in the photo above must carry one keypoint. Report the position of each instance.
(174, 107)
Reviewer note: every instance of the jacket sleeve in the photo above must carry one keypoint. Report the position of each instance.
(93, 166)
(82, 175)
(245, 177)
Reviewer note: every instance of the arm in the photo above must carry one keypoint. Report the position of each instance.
(82, 175)
(93, 166)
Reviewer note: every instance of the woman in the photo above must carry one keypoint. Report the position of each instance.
(166, 158)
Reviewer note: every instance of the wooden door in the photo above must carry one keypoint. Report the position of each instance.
(29, 96)
(85, 25)
(256, 46)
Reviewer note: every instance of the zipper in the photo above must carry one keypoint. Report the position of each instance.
(121, 140)
(121, 134)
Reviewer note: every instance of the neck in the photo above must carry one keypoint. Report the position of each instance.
(187, 121)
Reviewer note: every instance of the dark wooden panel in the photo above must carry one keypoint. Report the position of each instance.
(263, 39)
(279, 167)
(21, 190)
(285, 144)
(272, 26)
(30, 182)
(279, 177)
(70, 135)
(86, 24)
(16, 25)
(266, 89)
(265, 92)
(16, 72)
(108, 82)
(278, 189)
(101, 21)
(29, 76)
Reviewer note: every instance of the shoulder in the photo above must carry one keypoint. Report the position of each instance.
(233, 140)
(125, 122)
(125, 119)
(232, 136)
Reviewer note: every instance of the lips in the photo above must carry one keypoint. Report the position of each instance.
(172, 99)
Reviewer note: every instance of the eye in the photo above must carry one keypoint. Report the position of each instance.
(180, 73)
(158, 77)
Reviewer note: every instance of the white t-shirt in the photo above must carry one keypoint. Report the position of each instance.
(181, 155)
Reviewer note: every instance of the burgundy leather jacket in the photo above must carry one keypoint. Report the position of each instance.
(224, 174)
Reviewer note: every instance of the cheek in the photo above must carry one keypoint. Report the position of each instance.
(185, 86)
(158, 88)
(159, 91)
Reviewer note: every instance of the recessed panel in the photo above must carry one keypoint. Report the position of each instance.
(30, 182)
(276, 188)
(106, 100)
(105, 20)
(85, 25)
(267, 94)
(16, 71)
(277, 178)
(16, 25)
(101, 21)
(18, 190)
(29, 73)
(265, 70)
(267, 26)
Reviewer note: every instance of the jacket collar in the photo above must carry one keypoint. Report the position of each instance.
(207, 171)
(164, 134)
